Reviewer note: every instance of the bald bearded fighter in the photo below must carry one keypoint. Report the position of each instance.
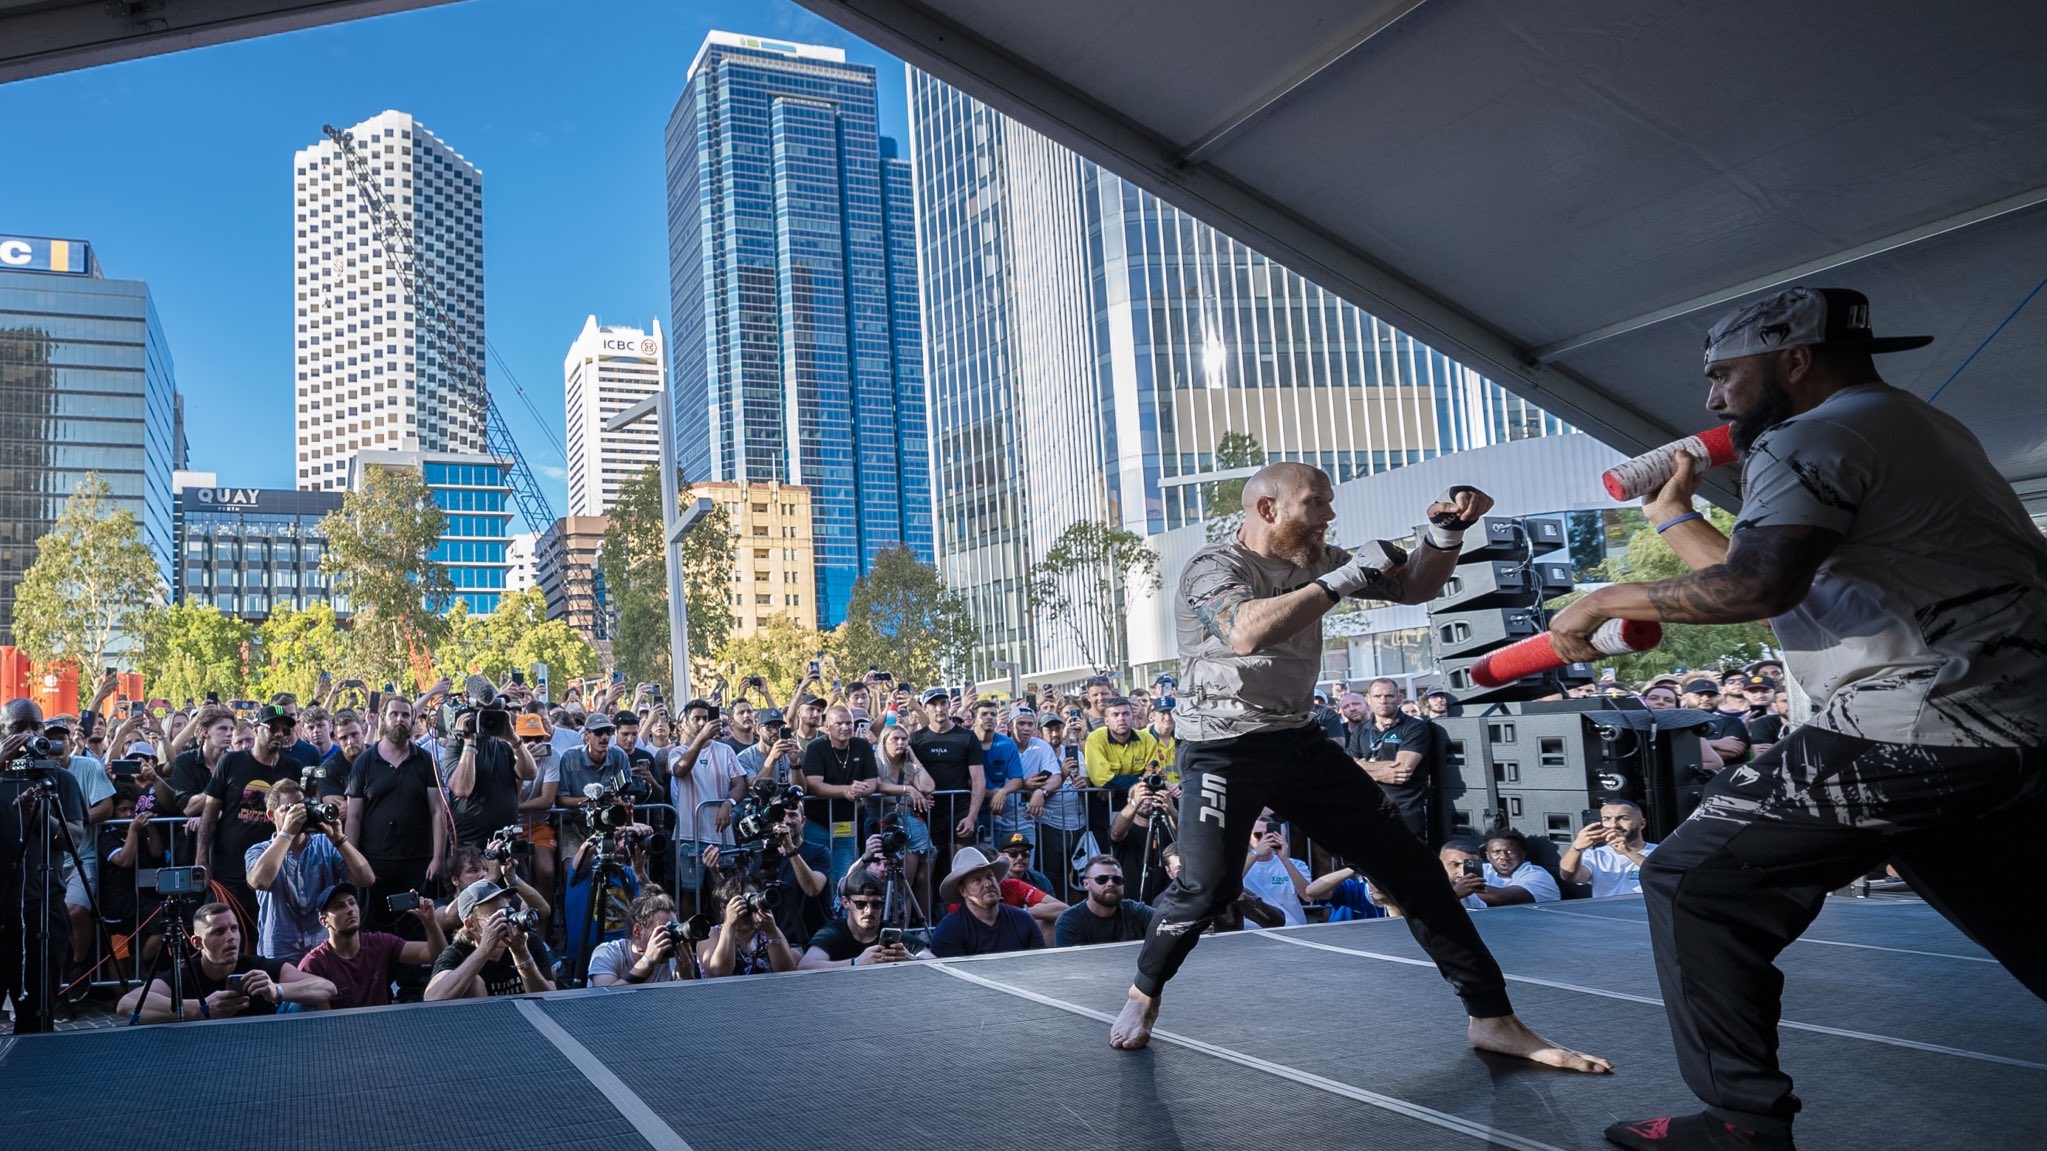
(1903, 578)
(1249, 617)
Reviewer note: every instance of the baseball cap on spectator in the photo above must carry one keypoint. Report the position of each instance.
(1022, 709)
(1758, 683)
(63, 723)
(860, 881)
(482, 891)
(142, 749)
(1017, 842)
(1166, 677)
(1442, 691)
(965, 862)
(769, 717)
(271, 715)
(529, 727)
(804, 700)
(599, 722)
(1701, 687)
(342, 888)
(932, 693)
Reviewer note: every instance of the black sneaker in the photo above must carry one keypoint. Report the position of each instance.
(1701, 1132)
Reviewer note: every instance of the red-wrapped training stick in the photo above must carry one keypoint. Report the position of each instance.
(1536, 654)
(1651, 470)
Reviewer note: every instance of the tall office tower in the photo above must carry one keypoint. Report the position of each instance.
(608, 370)
(474, 494)
(1091, 348)
(797, 351)
(373, 372)
(86, 385)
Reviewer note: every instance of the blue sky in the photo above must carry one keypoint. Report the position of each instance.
(178, 170)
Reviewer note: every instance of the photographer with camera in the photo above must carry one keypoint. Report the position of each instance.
(363, 964)
(803, 870)
(220, 981)
(1608, 852)
(307, 854)
(494, 952)
(32, 861)
(1143, 827)
(774, 755)
(236, 818)
(748, 941)
(494, 861)
(594, 761)
(485, 767)
(839, 772)
(856, 938)
(650, 954)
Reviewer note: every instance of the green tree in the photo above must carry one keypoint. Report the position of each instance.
(379, 545)
(904, 620)
(636, 579)
(465, 642)
(91, 580)
(189, 649)
(1647, 558)
(1084, 583)
(1223, 500)
(295, 647)
(779, 651)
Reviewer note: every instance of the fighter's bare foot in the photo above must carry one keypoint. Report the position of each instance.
(1132, 1028)
(1507, 1035)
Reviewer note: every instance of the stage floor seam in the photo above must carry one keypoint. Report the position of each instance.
(627, 1102)
(1629, 997)
(1801, 939)
(1430, 1115)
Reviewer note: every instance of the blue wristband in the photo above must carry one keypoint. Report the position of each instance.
(1673, 521)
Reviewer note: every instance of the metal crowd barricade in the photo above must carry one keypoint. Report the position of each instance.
(107, 970)
(675, 855)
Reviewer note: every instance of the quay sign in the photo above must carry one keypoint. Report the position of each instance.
(228, 499)
(38, 254)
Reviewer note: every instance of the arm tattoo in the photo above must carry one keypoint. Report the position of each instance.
(1767, 571)
(1218, 612)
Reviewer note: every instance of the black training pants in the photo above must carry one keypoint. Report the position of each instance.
(1744, 876)
(1308, 780)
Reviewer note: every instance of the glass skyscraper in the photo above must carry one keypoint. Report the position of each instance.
(474, 494)
(1091, 347)
(796, 350)
(86, 385)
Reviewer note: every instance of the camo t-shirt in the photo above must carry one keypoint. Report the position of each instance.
(1928, 623)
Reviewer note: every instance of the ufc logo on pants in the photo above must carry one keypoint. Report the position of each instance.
(1214, 798)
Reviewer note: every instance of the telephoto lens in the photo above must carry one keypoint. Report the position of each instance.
(764, 901)
(523, 920)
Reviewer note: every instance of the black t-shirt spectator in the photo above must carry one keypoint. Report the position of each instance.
(1077, 925)
(241, 783)
(947, 756)
(801, 916)
(198, 985)
(188, 777)
(839, 767)
(118, 897)
(500, 975)
(397, 824)
(1408, 733)
(1765, 728)
(650, 770)
(836, 940)
(1329, 720)
(494, 801)
(333, 783)
(1724, 725)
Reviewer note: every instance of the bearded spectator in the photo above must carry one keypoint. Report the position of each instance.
(395, 814)
(236, 817)
(1609, 853)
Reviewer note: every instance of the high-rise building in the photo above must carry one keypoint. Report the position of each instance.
(774, 563)
(566, 558)
(1097, 354)
(522, 561)
(86, 385)
(251, 551)
(374, 373)
(474, 493)
(796, 344)
(608, 370)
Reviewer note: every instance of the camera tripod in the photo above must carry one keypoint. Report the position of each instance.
(176, 952)
(605, 867)
(42, 803)
(898, 900)
(1158, 835)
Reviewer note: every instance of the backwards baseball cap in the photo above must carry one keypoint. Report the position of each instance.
(482, 891)
(1701, 687)
(860, 881)
(932, 693)
(1833, 317)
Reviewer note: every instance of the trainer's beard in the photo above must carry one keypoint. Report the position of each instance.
(1297, 543)
(397, 734)
(1773, 407)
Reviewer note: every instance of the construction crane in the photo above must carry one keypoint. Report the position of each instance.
(532, 499)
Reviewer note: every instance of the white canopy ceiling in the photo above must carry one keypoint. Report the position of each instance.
(1564, 194)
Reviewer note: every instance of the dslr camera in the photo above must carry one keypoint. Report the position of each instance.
(1155, 780)
(610, 806)
(760, 814)
(524, 919)
(506, 843)
(764, 901)
(684, 933)
(177, 881)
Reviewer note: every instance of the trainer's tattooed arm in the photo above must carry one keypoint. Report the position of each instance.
(1230, 613)
(1218, 610)
(1767, 572)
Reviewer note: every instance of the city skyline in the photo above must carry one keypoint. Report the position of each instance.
(609, 368)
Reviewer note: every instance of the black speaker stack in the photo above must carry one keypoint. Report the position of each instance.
(1495, 597)
(1540, 767)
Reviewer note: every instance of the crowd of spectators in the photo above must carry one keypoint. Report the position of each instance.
(477, 840)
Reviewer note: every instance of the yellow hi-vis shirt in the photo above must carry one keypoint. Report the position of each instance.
(1107, 759)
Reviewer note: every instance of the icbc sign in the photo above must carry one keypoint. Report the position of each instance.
(630, 346)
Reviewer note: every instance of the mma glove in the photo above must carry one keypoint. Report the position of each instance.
(1367, 567)
(1446, 530)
